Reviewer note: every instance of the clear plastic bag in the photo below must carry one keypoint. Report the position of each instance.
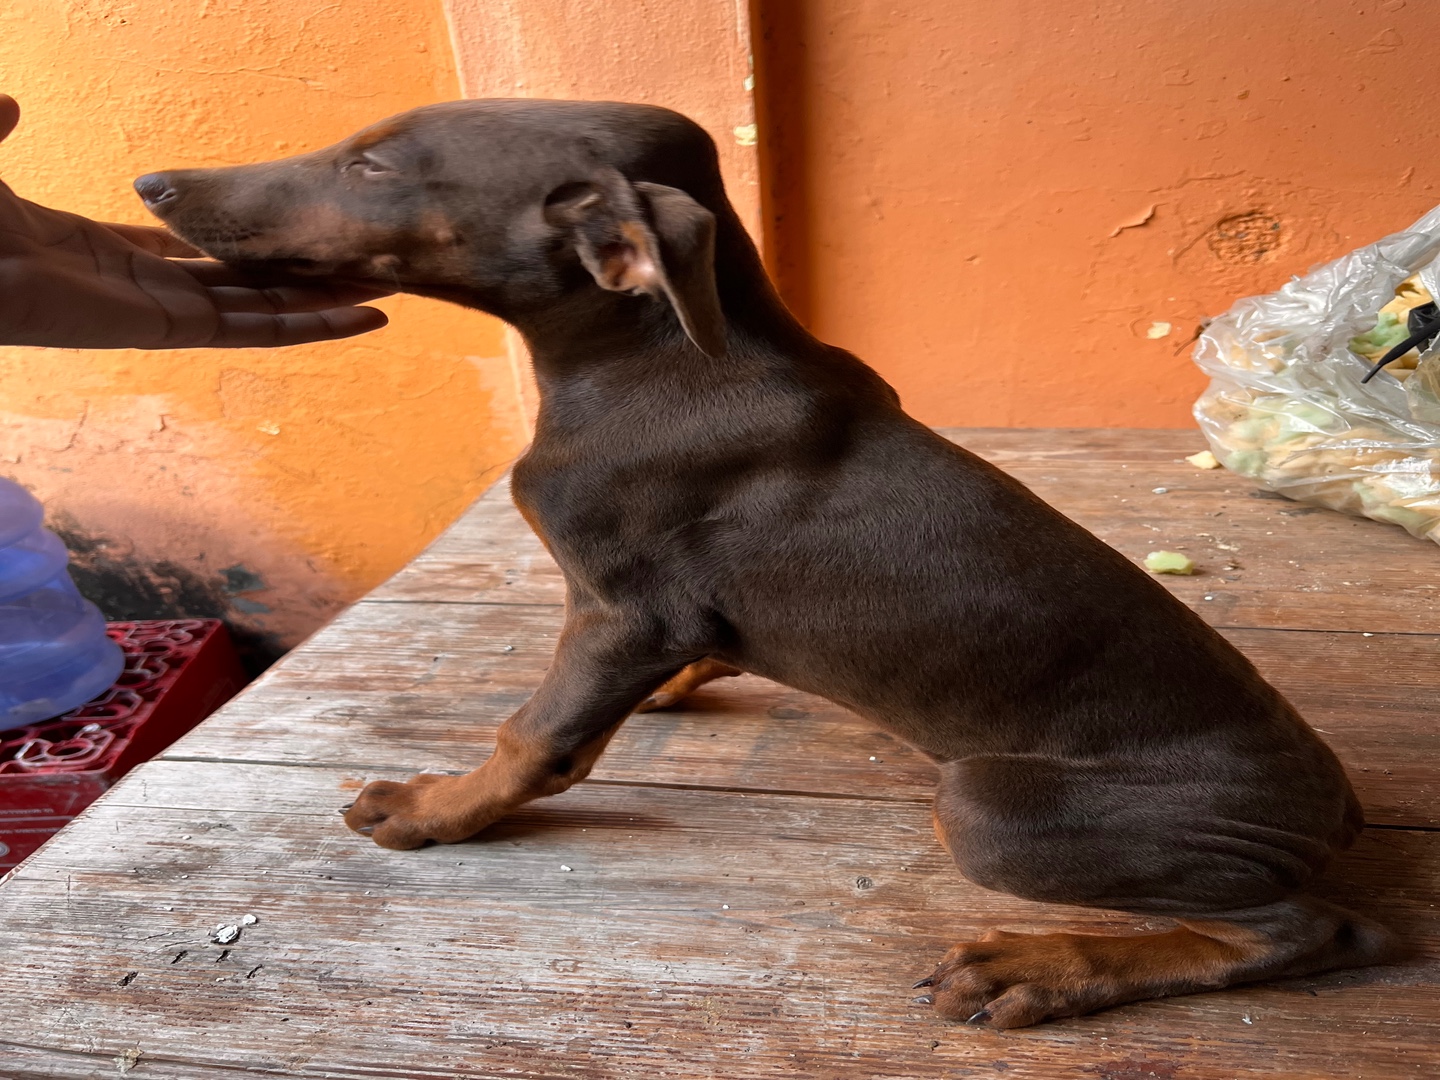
(1286, 407)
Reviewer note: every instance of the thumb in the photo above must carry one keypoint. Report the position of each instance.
(9, 115)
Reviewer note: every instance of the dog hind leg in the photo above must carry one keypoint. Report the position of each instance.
(1097, 834)
(1008, 980)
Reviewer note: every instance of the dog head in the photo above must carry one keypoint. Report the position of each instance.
(512, 207)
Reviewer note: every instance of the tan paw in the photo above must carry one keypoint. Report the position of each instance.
(428, 808)
(1007, 980)
(661, 699)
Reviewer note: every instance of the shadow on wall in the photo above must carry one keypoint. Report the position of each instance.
(125, 588)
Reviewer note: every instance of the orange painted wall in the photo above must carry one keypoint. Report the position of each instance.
(994, 201)
(271, 487)
(688, 55)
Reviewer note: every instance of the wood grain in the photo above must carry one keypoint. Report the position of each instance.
(695, 934)
(1005, 446)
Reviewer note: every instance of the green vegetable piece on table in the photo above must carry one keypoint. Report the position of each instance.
(1169, 562)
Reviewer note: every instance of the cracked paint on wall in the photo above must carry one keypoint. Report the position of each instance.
(305, 475)
(994, 203)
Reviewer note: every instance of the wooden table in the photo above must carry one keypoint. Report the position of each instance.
(746, 888)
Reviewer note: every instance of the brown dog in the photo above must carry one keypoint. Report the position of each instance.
(721, 489)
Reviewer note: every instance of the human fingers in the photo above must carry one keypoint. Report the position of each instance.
(211, 274)
(284, 299)
(9, 115)
(241, 330)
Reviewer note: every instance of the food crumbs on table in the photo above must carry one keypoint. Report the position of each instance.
(1169, 562)
(1204, 460)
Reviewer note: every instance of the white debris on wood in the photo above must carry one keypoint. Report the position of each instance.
(248, 920)
(127, 1059)
(224, 934)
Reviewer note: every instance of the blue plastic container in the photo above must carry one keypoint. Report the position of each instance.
(54, 654)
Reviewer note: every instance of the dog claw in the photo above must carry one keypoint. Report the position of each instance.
(924, 982)
(925, 999)
(365, 830)
(980, 1017)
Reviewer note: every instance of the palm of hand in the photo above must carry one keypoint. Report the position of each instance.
(69, 282)
(87, 286)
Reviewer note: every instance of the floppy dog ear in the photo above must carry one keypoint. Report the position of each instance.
(646, 238)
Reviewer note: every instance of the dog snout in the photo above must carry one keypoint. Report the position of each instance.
(157, 190)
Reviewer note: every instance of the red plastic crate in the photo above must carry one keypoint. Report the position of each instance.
(177, 672)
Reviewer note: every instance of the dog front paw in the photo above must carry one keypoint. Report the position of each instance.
(429, 808)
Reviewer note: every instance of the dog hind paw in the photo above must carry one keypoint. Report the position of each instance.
(1007, 980)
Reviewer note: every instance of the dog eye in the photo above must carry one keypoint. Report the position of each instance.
(369, 166)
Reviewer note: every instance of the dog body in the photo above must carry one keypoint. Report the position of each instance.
(723, 492)
(809, 531)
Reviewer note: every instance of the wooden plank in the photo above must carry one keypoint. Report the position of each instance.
(695, 934)
(1009, 446)
(1265, 561)
(421, 685)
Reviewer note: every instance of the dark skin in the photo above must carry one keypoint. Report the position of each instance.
(69, 282)
(723, 492)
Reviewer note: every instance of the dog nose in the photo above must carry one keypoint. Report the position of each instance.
(155, 189)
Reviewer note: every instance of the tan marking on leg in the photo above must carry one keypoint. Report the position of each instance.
(686, 683)
(1008, 980)
(448, 809)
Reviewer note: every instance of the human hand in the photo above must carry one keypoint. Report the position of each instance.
(69, 282)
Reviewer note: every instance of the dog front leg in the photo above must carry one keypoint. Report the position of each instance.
(604, 666)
